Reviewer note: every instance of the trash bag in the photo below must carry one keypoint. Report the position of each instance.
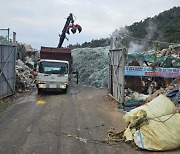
(154, 126)
(172, 92)
(174, 95)
(176, 99)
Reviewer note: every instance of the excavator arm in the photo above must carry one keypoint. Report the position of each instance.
(68, 25)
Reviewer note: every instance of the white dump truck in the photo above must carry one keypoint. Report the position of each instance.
(53, 69)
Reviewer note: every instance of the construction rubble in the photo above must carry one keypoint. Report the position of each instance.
(153, 121)
(24, 77)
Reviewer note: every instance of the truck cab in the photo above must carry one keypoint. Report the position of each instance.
(52, 75)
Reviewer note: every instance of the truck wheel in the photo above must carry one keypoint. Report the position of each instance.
(39, 91)
(65, 91)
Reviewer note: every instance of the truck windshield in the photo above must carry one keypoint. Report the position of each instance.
(53, 67)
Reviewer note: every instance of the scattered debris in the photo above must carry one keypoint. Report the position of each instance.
(134, 99)
(24, 77)
(29, 62)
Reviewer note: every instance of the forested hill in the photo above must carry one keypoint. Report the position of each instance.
(166, 26)
(163, 27)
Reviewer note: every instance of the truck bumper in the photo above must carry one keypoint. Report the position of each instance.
(52, 86)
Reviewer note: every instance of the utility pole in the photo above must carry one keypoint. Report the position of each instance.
(8, 33)
(14, 37)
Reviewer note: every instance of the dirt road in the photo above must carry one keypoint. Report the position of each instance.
(73, 123)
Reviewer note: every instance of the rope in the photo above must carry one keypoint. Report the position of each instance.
(105, 142)
(115, 136)
(162, 116)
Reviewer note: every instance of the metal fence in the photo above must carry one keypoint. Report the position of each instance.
(117, 59)
(7, 70)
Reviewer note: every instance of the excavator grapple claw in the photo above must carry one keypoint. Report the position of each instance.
(74, 28)
(69, 25)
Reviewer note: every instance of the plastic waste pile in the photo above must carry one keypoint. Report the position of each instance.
(29, 62)
(165, 58)
(24, 78)
(134, 99)
(92, 65)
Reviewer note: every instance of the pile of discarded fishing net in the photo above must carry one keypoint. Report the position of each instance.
(24, 78)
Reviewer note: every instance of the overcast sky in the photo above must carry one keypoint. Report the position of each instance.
(38, 22)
